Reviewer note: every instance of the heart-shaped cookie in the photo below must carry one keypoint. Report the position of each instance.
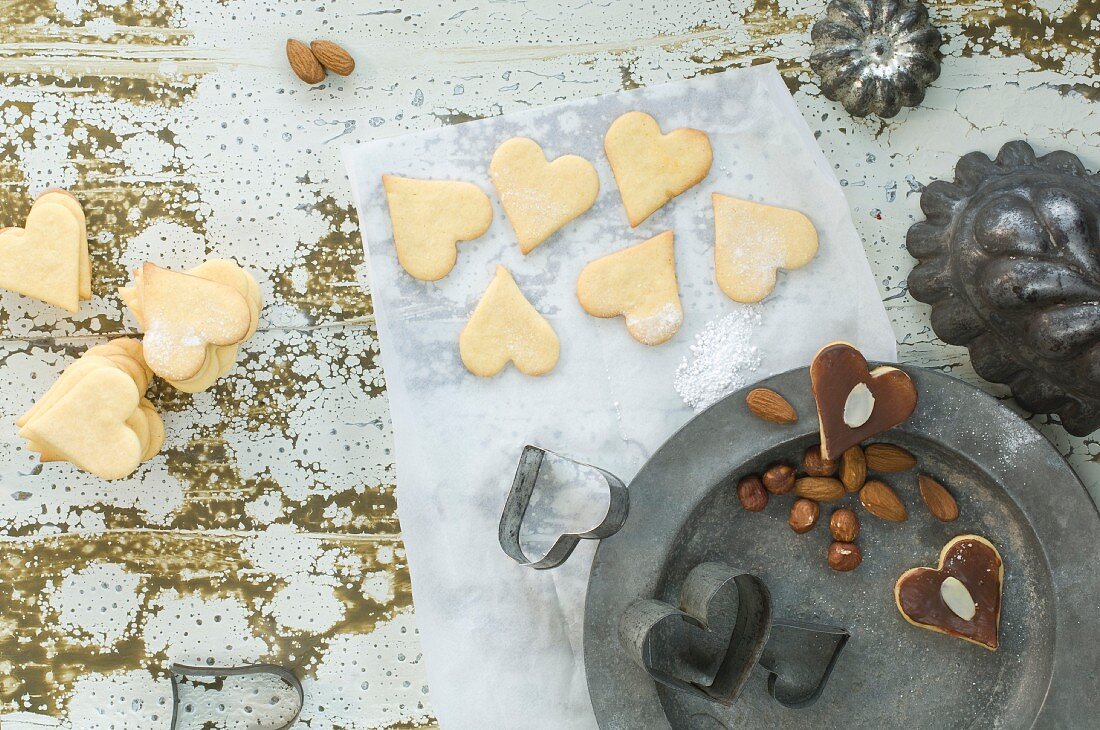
(184, 315)
(854, 403)
(539, 196)
(506, 328)
(70, 203)
(752, 241)
(962, 597)
(652, 168)
(430, 217)
(42, 259)
(87, 425)
(640, 284)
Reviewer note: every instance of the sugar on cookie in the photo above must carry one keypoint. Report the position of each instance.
(429, 219)
(539, 196)
(752, 241)
(191, 351)
(652, 168)
(638, 283)
(505, 327)
(95, 416)
(47, 259)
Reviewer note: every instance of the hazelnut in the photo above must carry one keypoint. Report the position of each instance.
(779, 479)
(816, 465)
(804, 514)
(844, 524)
(844, 556)
(750, 491)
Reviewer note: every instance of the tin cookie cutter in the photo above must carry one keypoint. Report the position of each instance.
(722, 630)
(178, 671)
(531, 462)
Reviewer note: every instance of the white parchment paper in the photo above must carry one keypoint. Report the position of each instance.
(503, 642)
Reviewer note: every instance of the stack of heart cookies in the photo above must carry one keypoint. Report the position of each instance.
(193, 321)
(95, 416)
(48, 259)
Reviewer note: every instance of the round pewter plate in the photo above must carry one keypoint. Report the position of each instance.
(1012, 487)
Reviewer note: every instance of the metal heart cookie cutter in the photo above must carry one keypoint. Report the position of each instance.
(179, 672)
(722, 629)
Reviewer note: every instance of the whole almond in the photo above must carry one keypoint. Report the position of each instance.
(770, 406)
(819, 489)
(888, 458)
(882, 502)
(333, 57)
(853, 469)
(939, 501)
(816, 465)
(303, 62)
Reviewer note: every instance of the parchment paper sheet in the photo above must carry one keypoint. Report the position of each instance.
(502, 642)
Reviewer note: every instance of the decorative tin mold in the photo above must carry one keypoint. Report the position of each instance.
(876, 56)
(1009, 259)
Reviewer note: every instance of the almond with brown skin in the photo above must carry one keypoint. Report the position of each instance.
(302, 61)
(770, 406)
(888, 458)
(883, 502)
(333, 57)
(939, 501)
(853, 469)
(819, 489)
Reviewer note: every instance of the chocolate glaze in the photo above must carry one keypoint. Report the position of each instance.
(836, 369)
(978, 567)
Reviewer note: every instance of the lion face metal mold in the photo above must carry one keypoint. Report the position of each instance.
(1009, 259)
(876, 56)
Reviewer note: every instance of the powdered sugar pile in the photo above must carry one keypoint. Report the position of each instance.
(721, 360)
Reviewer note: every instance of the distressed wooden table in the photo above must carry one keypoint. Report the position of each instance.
(266, 529)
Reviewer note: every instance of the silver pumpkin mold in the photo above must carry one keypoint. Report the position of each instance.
(876, 56)
(1010, 262)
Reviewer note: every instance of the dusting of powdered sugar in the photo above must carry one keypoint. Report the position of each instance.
(657, 326)
(722, 359)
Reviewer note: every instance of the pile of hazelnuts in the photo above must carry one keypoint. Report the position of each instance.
(779, 479)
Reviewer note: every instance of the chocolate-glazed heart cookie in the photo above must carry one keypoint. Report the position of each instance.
(854, 403)
(962, 597)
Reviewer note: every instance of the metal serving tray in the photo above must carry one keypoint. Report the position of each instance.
(1012, 487)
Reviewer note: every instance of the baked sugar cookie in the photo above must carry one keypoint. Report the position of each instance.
(430, 217)
(539, 196)
(42, 259)
(185, 314)
(653, 168)
(219, 359)
(752, 241)
(71, 423)
(961, 597)
(638, 283)
(506, 328)
(70, 203)
(88, 427)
